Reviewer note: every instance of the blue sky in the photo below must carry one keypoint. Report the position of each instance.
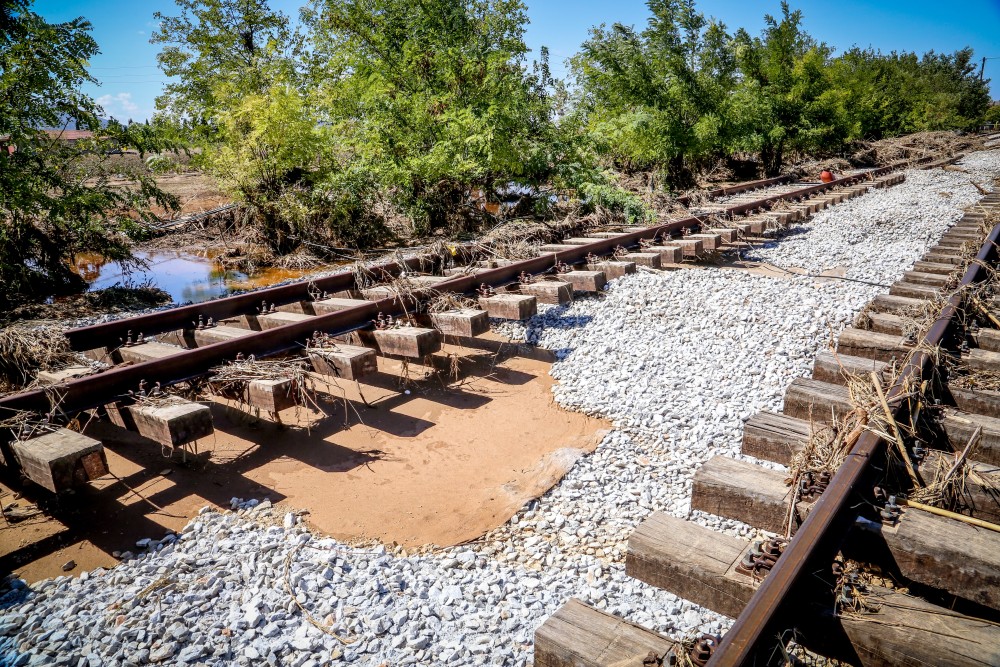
(130, 80)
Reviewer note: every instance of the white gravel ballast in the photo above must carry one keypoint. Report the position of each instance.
(677, 360)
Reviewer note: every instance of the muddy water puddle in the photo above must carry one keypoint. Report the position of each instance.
(187, 277)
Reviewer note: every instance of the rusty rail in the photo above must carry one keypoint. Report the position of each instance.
(798, 574)
(741, 187)
(158, 322)
(95, 390)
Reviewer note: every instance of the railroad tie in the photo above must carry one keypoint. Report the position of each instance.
(698, 564)
(581, 636)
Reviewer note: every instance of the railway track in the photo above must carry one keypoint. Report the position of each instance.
(177, 345)
(887, 523)
(578, 635)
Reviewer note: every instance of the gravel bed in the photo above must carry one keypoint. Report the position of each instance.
(875, 237)
(677, 360)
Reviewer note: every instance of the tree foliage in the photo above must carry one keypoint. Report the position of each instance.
(658, 98)
(217, 51)
(433, 98)
(237, 95)
(683, 91)
(992, 114)
(787, 91)
(899, 93)
(425, 109)
(57, 198)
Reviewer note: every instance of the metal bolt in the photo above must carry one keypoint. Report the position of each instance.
(773, 548)
(703, 649)
(890, 514)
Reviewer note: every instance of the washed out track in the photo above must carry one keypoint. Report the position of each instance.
(164, 348)
(285, 336)
(827, 587)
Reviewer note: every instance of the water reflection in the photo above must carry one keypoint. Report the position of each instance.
(186, 277)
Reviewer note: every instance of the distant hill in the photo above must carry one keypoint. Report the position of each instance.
(70, 125)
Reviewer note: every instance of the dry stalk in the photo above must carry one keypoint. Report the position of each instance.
(896, 431)
(828, 446)
(948, 483)
(27, 347)
(443, 302)
(233, 379)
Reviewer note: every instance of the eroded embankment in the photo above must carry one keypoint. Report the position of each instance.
(676, 360)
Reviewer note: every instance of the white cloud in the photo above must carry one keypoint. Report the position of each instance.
(142, 32)
(118, 105)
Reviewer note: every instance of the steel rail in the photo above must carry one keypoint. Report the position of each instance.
(741, 187)
(776, 604)
(99, 389)
(151, 324)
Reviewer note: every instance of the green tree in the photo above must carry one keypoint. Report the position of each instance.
(217, 50)
(949, 94)
(433, 98)
(658, 99)
(286, 169)
(57, 199)
(874, 92)
(887, 95)
(785, 101)
(992, 114)
(236, 94)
